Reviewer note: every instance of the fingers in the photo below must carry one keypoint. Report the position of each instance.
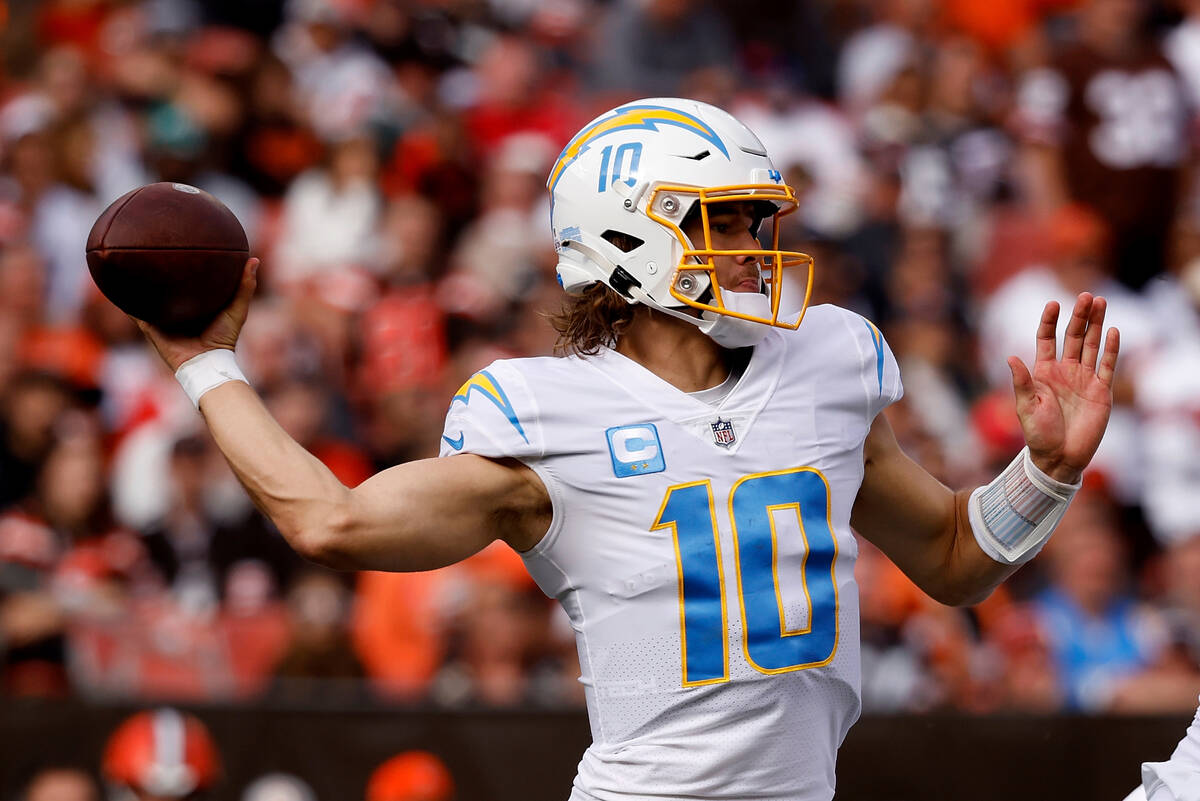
(148, 330)
(1091, 340)
(249, 277)
(1083, 336)
(1022, 380)
(241, 302)
(1047, 344)
(1076, 326)
(1108, 361)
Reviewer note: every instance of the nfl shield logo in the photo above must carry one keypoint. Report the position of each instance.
(723, 433)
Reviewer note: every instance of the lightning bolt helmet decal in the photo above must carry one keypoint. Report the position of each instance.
(626, 118)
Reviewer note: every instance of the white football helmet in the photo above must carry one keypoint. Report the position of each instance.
(637, 171)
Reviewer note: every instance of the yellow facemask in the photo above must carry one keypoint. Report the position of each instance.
(772, 261)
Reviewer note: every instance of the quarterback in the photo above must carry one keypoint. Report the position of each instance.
(686, 480)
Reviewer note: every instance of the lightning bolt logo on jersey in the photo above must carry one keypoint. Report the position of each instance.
(707, 566)
(483, 385)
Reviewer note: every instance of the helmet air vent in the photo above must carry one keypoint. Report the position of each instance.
(622, 241)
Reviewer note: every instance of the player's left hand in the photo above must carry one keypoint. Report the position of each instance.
(1064, 404)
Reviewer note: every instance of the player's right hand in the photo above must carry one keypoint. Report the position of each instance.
(222, 332)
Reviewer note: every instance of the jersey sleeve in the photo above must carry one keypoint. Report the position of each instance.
(881, 372)
(493, 414)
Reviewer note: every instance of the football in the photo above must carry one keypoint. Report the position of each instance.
(169, 254)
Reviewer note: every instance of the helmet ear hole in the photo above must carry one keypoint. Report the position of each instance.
(623, 242)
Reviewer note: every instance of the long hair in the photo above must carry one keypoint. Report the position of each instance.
(591, 320)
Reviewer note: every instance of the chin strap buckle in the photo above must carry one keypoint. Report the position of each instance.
(622, 281)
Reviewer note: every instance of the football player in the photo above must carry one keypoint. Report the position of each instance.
(1177, 779)
(686, 481)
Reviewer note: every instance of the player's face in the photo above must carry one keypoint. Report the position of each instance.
(731, 227)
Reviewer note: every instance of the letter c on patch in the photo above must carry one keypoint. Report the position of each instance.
(634, 444)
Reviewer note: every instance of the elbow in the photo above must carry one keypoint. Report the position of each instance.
(960, 594)
(325, 539)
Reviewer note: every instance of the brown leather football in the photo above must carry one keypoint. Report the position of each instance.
(169, 254)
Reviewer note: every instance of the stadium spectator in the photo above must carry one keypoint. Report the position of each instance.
(894, 678)
(1028, 674)
(401, 653)
(255, 626)
(1167, 393)
(342, 86)
(33, 403)
(1106, 123)
(1099, 634)
(1182, 566)
(63, 215)
(22, 279)
(498, 641)
(508, 93)
(497, 261)
(66, 560)
(200, 540)
(319, 660)
(1173, 678)
(329, 221)
(650, 48)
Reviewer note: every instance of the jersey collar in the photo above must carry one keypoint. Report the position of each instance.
(664, 400)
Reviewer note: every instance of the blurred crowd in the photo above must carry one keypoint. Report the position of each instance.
(959, 163)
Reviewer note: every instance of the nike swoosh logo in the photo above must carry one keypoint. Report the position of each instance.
(455, 443)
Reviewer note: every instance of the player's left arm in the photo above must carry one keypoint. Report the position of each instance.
(1063, 406)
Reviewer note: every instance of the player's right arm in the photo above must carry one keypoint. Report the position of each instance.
(415, 516)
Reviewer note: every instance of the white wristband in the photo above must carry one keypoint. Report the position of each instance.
(209, 370)
(1014, 516)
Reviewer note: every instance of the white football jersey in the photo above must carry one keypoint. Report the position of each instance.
(703, 553)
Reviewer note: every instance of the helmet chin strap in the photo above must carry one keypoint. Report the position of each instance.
(724, 329)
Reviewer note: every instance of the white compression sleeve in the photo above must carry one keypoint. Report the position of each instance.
(1014, 516)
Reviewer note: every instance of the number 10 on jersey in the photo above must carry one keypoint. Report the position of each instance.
(769, 645)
